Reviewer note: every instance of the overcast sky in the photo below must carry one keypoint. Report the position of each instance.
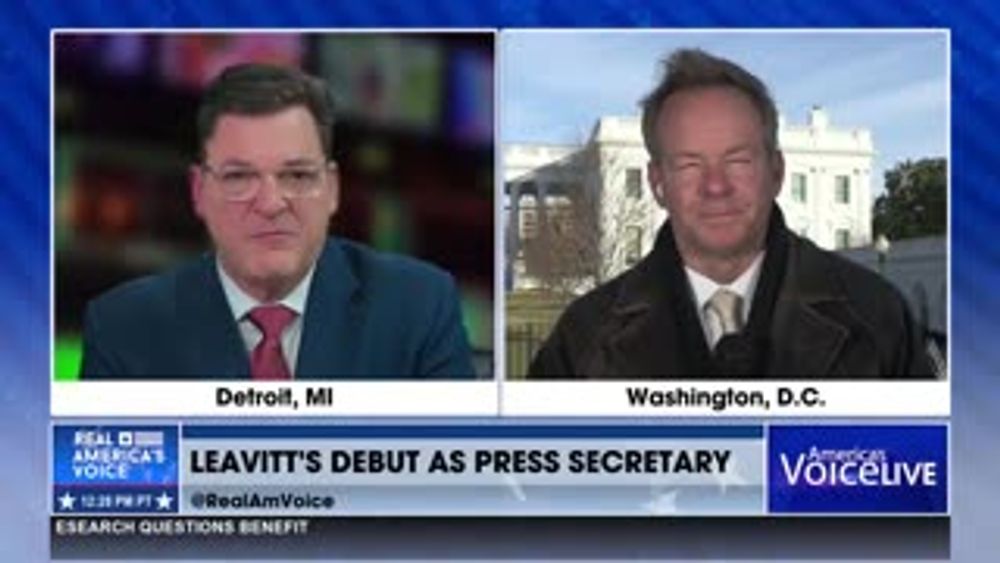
(555, 84)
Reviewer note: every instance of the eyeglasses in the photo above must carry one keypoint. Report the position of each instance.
(243, 183)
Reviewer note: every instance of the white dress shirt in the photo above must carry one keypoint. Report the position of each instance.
(240, 303)
(704, 288)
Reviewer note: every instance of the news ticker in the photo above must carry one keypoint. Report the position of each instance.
(330, 538)
(803, 398)
(287, 471)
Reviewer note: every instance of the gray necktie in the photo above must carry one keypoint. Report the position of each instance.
(729, 307)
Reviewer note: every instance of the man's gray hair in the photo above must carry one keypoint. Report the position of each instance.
(687, 69)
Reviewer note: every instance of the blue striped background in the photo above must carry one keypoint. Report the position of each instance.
(24, 196)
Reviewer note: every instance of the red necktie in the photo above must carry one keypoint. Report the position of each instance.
(267, 361)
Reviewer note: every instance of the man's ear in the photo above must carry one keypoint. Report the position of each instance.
(333, 185)
(657, 182)
(196, 186)
(777, 170)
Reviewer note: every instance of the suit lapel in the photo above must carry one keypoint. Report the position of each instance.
(640, 344)
(330, 330)
(213, 346)
(643, 337)
(810, 342)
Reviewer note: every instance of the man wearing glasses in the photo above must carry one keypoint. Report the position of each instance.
(279, 299)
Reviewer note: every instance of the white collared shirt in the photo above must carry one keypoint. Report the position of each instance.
(704, 288)
(240, 304)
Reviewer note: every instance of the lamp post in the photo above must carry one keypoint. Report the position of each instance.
(882, 246)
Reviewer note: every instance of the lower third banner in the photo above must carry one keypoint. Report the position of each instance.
(465, 470)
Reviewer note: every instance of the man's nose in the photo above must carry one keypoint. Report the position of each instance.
(270, 199)
(716, 181)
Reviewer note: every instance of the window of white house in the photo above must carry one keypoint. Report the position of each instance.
(633, 183)
(529, 224)
(843, 189)
(843, 238)
(633, 242)
(799, 187)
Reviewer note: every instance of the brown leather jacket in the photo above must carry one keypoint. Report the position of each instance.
(831, 319)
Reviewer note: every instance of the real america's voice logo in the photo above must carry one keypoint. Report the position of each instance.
(115, 469)
(857, 469)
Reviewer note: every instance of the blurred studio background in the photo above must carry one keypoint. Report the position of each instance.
(413, 139)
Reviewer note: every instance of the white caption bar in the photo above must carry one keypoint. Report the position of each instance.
(320, 398)
(579, 398)
(801, 398)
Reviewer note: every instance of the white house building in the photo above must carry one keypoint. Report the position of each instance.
(827, 193)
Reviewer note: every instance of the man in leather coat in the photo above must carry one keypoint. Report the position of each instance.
(728, 290)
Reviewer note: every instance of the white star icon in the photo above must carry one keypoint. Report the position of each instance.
(164, 501)
(662, 503)
(67, 501)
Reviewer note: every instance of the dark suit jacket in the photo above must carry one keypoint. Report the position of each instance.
(368, 315)
(831, 318)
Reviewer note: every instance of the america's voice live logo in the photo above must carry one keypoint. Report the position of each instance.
(858, 469)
